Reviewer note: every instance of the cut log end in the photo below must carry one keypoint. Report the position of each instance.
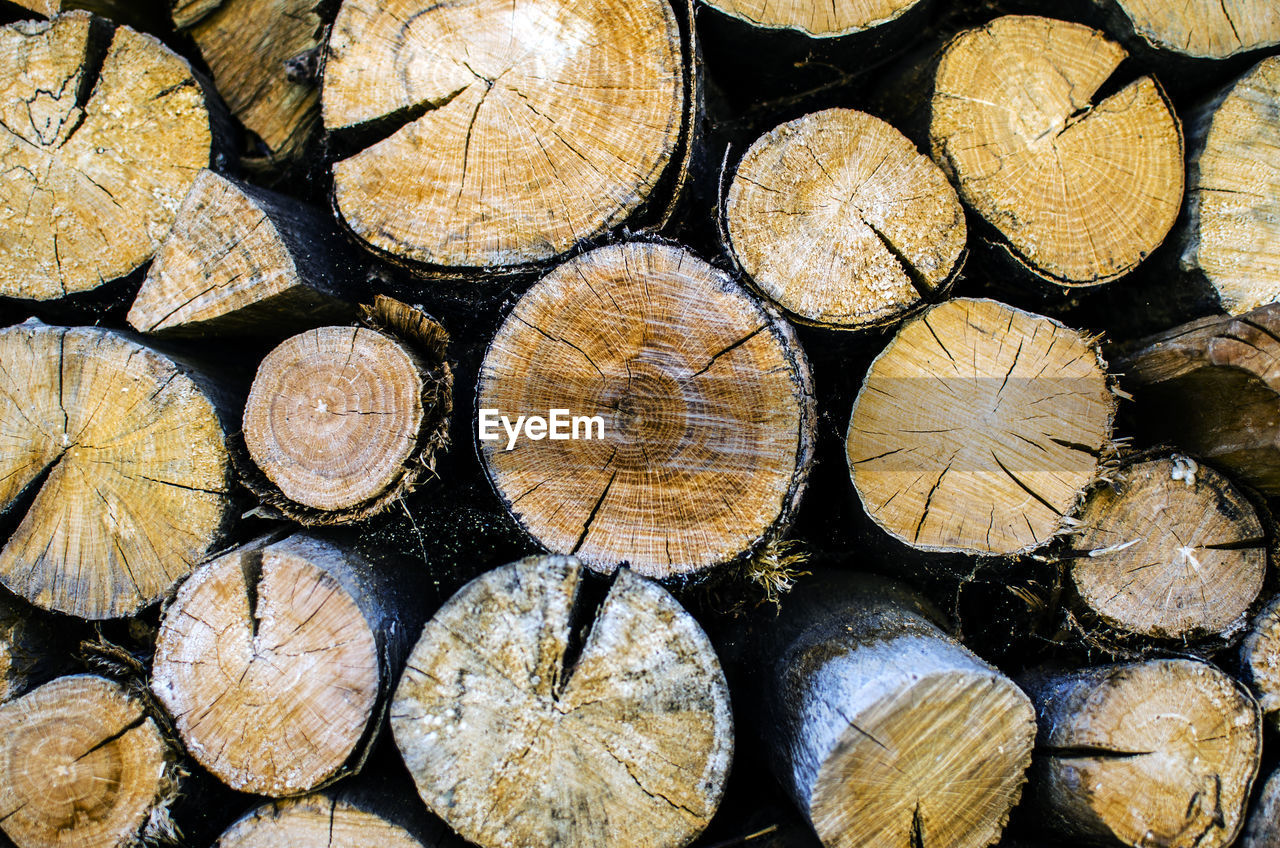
(1260, 655)
(837, 218)
(81, 763)
(315, 820)
(816, 19)
(1080, 191)
(1203, 29)
(500, 143)
(514, 740)
(978, 428)
(704, 414)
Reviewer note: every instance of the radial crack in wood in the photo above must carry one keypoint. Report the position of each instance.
(1204, 29)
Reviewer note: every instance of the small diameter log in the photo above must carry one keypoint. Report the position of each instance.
(703, 405)
(115, 459)
(241, 259)
(344, 420)
(818, 20)
(1212, 386)
(978, 428)
(315, 821)
(1080, 192)
(272, 660)
(1263, 829)
(527, 718)
(1152, 753)
(1231, 237)
(1169, 549)
(837, 218)
(81, 763)
(495, 137)
(102, 131)
(883, 729)
(1200, 29)
(1260, 659)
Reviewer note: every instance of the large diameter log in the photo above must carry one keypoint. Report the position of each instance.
(978, 428)
(1169, 549)
(816, 19)
(272, 660)
(102, 131)
(81, 763)
(519, 732)
(1153, 753)
(495, 137)
(883, 729)
(1212, 386)
(1079, 191)
(837, 218)
(1200, 29)
(240, 259)
(115, 459)
(703, 405)
(318, 821)
(1231, 235)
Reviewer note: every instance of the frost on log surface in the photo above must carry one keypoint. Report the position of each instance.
(115, 458)
(525, 722)
(1203, 29)
(816, 19)
(102, 130)
(978, 428)
(496, 134)
(706, 401)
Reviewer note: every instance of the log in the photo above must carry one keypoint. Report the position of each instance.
(27, 648)
(1263, 829)
(1079, 192)
(1211, 387)
(81, 763)
(978, 428)
(274, 660)
(317, 820)
(342, 421)
(528, 718)
(1260, 659)
(114, 468)
(1169, 549)
(1162, 752)
(139, 14)
(242, 260)
(814, 19)
(480, 138)
(883, 729)
(1200, 29)
(1231, 234)
(102, 132)
(837, 218)
(703, 403)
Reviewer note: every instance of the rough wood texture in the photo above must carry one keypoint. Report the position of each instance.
(1260, 658)
(315, 820)
(1203, 29)
(1213, 386)
(102, 131)
(141, 14)
(978, 428)
(1169, 549)
(706, 403)
(271, 660)
(81, 764)
(115, 459)
(1263, 829)
(1080, 192)
(26, 644)
(1231, 236)
(241, 259)
(1154, 753)
(497, 135)
(816, 19)
(344, 420)
(264, 56)
(883, 729)
(838, 218)
(526, 722)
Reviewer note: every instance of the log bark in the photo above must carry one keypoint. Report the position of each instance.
(320, 819)
(473, 138)
(81, 763)
(1079, 192)
(527, 718)
(838, 219)
(115, 469)
(275, 659)
(1169, 549)
(705, 405)
(1202, 29)
(883, 729)
(242, 260)
(1260, 659)
(1263, 829)
(1231, 233)
(342, 421)
(102, 131)
(1154, 753)
(1212, 386)
(978, 428)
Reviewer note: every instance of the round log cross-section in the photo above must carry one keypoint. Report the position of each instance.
(816, 19)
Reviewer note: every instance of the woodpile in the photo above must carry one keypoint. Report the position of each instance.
(639, 423)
